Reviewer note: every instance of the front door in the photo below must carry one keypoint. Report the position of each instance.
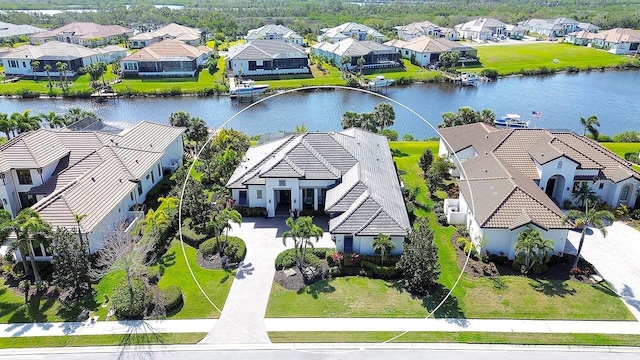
(551, 184)
(285, 197)
(348, 244)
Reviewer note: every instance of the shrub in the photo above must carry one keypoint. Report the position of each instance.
(311, 259)
(173, 299)
(635, 215)
(129, 304)
(191, 237)
(604, 138)
(632, 156)
(489, 73)
(286, 259)
(153, 274)
(209, 247)
(381, 272)
(408, 137)
(627, 136)
(235, 249)
(251, 211)
(391, 135)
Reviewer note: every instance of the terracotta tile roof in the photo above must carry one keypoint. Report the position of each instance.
(173, 31)
(85, 30)
(167, 49)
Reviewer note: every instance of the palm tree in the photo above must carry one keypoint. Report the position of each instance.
(53, 119)
(590, 217)
(47, 69)
(384, 244)
(76, 114)
(221, 221)
(25, 121)
(180, 119)
(301, 231)
(361, 61)
(30, 230)
(62, 72)
(590, 125)
(384, 115)
(584, 193)
(7, 125)
(34, 66)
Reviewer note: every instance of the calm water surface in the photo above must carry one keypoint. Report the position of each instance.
(612, 96)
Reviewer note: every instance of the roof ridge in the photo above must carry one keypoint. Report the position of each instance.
(366, 223)
(321, 158)
(493, 212)
(359, 201)
(295, 167)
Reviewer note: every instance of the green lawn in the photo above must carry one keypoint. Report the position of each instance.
(622, 148)
(101, 340)
(510, 59)
(216, 284)
(519, 298)
(81, 83)
(455, 337)
(13, 308)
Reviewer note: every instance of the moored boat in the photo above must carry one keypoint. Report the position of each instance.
(469, 79)
(512, 121)
(247, 88)
(380, 81)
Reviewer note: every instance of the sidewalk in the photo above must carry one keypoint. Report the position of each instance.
(325, 324)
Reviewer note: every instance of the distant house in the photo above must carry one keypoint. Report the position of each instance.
(82, 33)
(556, 27)
(191, 36)
(99, 174)
(375, 55)
(348, 174)
(274, 32)
(617, 41)
(425, 28)
(266, 57)
(11, 31)
(515, 179)
(350, 30)
(514, 32)
(481, 29)
(18, 61)
(164, 59)
(426, 50)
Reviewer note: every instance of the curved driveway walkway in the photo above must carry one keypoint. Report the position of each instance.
(242, 319)
(616, 259)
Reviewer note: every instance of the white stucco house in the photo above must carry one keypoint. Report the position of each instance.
(82, 33)
(100, 174)
(173, 31)
(513, 179)
(481, 29)
(350, 30)
(348, 174)
(425, 28)
(275, 32)
(426, 50)
(618, 41)
(267, 57)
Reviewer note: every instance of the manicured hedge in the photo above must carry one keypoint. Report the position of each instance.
(251, 211)
(127, 306)
(235, 249)
(286, 259)
(191, 237)
(209, 247)
(381, 272)
(173, 299)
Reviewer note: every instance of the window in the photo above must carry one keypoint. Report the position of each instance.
(560, 164)
(282, 182)
(258, 194)
(24, 64)
(159, 173)
(139, 188)
(131, 195)
(24, 177)
(624, 194)
(242, 197)
(601, 186)
(153, 178)
(147, 177)
(13, 64)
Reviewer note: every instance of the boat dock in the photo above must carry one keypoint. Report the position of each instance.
(104, 95)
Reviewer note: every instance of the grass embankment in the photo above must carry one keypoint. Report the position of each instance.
(513, 58)
(101, 340)
(216, 284)
(622, 148)
(511, 297)
(455, 337)
(41, 86)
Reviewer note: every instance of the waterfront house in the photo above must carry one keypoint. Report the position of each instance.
(556, 27)
(191, 36)
(97, 173)
(513, 32)
(426, 50)
(481, 29)
(267, 57)
(10, 31)
(513, 179)
(425, 28)
(350, 30)
(375, 55)
(348, 174)
(166, 59)
(274, 32)
(18, 61)
(82, 33)
(617, 41)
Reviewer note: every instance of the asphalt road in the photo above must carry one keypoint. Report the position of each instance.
(341, 352)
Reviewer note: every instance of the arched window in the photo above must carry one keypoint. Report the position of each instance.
(624, 194)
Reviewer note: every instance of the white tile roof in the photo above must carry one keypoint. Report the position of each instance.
(173, 31)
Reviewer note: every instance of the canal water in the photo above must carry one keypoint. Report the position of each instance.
(613, 96)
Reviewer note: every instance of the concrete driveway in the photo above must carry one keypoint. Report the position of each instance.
(242, 318)
(616, 258)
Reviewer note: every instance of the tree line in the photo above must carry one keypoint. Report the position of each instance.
(17, 123)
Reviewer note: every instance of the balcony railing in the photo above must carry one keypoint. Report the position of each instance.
(453, 213)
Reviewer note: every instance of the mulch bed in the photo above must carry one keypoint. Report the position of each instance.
(209, 262)
(298, 282)
(557, 271)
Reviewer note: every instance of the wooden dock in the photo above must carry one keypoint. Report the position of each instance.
(103, 95)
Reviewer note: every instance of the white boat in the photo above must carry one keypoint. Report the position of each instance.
(380, 81)
(246, 88)
(512, 121)
(469, 79)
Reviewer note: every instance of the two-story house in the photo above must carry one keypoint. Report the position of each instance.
(100, 174)
(348, 174)
(514, 178)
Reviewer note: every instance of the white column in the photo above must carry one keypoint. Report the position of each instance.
(315, 199)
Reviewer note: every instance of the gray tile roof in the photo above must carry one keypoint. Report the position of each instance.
(262, 32)
(354, 48)
(369, 195)
(51, 50)
(8, 30)
(266, 49)
(93, 170)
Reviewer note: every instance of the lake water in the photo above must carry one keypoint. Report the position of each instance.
(613, 96)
